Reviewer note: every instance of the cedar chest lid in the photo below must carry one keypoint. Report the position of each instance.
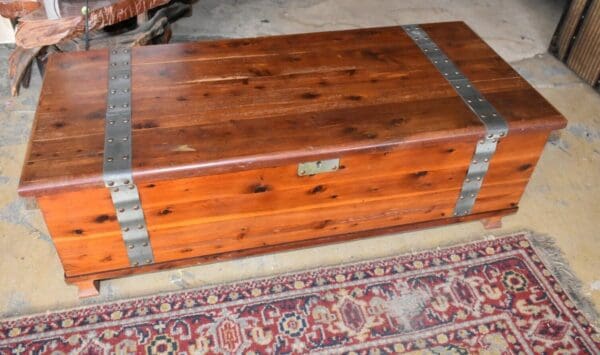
(221, 106)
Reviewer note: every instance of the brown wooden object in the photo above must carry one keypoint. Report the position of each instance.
(493, 222)
(155, 30)
(576, 41)
(13, 9)
(220, 128)
(44, 27)
(19, 67)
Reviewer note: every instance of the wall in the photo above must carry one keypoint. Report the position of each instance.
(6, 31)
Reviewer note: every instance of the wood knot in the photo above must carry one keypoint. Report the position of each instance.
(165, 212)
(317, 189)
(353, 97)
(102, 218)
(350, 130)
(259, 188)
(525, 167)
(145, 125)
(398, 121)
(323, 224)
(310, 95)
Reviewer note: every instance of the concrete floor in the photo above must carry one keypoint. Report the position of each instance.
(561, 201)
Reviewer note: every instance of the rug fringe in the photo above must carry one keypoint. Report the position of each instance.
(555, 260)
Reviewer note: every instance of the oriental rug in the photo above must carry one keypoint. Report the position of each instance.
(497, 296)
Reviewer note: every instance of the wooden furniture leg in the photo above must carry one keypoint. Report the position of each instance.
(87, 288)
(492, 222)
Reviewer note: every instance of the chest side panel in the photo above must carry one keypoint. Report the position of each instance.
(265, 207)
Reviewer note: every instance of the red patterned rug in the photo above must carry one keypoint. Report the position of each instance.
(492, 297)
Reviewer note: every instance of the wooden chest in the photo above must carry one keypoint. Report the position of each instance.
(166, 156)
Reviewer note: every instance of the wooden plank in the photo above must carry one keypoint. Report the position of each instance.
(220, 103)
(347, 128)
(167, 212)
(100, 253)
(343, 69)
(584, 58)
(101, 275)
(377, 58)
(239, 102)
(565, 37)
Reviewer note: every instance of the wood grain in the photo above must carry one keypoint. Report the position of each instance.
(102, 275)
(231, 105)
(220, 127)
(13, 9)
(204, 215)
(39, 28)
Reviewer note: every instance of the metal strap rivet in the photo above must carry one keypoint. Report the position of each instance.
(117, 173)
(495, 125)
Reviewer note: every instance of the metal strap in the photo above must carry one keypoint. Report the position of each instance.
(117, 176)
(496, 127)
